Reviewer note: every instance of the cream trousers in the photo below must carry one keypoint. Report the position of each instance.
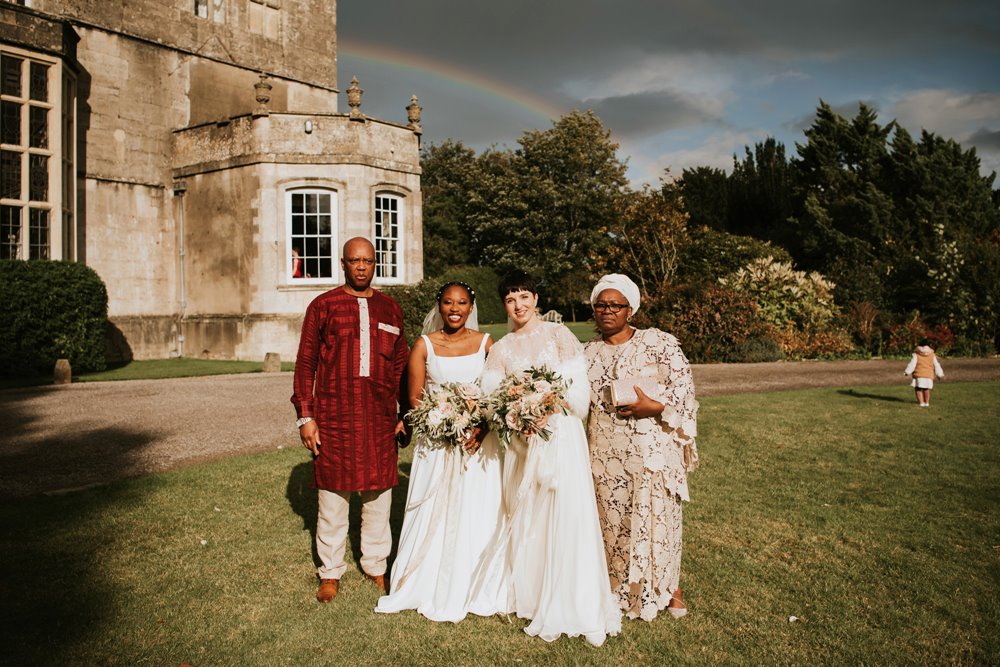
(331, 532)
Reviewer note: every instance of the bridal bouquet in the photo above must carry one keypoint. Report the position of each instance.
(523, 400)
(447, 417)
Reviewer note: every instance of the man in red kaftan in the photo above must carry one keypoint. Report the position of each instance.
(347, 388)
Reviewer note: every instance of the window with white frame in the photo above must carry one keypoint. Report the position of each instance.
(312, 235)
(388, 236)
(216, 8)
(37, 186)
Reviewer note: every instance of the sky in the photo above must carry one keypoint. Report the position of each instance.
(679, 84)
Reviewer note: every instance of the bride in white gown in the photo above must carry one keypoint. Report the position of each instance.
(453, 505)
(552, 548)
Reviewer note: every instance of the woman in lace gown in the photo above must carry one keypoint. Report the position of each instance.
(641, 452)
(552, 548)
(453, 505)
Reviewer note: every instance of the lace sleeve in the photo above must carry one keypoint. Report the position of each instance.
(681, 412)
(494, 369)
(573, 366)
(568, 347)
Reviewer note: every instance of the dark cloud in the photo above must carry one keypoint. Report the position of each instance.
(643, 114)
(717, 59)
(984, 139)
(535, 41)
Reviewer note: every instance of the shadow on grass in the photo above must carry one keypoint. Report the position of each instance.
(56, 595)
(303, 499)
(874, 397)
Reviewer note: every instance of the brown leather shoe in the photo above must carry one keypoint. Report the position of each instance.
(379, 580)
(327, 589)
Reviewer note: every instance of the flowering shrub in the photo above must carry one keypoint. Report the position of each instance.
(906, 336)
(786, 297)
(712, 324)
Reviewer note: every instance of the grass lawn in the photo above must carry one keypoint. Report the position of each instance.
(873, 522)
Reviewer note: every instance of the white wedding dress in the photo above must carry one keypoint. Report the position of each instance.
(552, 549)
(453, 510)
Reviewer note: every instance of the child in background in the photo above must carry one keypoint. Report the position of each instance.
(924, 367)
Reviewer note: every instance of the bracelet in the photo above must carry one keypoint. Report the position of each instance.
(299, 423)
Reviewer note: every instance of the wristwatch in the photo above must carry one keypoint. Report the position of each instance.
(299, 423)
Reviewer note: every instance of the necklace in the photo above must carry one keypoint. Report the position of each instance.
(448, 341)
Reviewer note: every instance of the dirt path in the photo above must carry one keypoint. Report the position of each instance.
(54, 439)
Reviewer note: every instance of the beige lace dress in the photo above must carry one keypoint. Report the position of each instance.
(640, 467)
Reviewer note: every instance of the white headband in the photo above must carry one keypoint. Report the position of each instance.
(623, 284)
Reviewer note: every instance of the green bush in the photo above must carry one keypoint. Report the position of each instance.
(757, 349)
(416, 300)
(972, 347)
(51, 310)
(485, 281)
(786, 298)
(713, 324)
(710, 254)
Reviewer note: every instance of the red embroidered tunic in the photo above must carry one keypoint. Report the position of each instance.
(348, 373)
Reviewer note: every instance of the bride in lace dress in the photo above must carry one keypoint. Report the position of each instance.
(453, 506)
(552, 548)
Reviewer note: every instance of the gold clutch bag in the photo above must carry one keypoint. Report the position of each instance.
(623, 391)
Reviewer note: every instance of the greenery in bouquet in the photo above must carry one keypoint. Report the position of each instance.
(448, 416)
(523, 401)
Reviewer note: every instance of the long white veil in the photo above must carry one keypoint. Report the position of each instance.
(433, 320)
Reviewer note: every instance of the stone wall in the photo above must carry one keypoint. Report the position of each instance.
(31, 30)
(240, 301)
(169, 138)
(304, 48)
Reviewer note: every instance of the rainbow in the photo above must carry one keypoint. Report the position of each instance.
(383, 55)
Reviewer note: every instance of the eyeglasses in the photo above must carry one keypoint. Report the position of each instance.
(613, 308)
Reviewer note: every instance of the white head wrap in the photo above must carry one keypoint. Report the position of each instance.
(623, 284)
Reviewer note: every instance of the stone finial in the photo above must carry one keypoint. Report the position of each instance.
(413, 114)
(354, 93)
(262, 93)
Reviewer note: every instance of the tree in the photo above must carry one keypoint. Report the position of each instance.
(845, 226)
(447, 178)
(647, 236)
(706, 197)
(760, 193)
(545, 207)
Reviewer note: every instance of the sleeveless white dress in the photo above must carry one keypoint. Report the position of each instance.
(453, 510)
(552, 549)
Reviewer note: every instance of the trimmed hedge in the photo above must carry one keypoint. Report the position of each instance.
(486, 282)
(417, 299)
(51, 310)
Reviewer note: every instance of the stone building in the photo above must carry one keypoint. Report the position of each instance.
(193, 154)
